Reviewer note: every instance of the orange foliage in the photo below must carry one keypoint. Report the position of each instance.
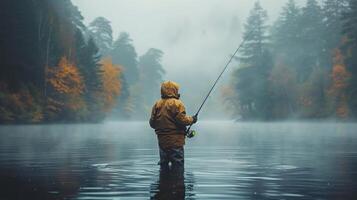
(68, 87)
(340, 78)
(340, 75)
(65, 78)
(111, 83)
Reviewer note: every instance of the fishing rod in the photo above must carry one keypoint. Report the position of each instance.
(191, 133)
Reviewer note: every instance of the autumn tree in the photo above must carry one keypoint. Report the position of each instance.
(44, 51)
(111, 84)
(340, 83)
(65, 100)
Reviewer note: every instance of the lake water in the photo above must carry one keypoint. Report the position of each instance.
(118, 160)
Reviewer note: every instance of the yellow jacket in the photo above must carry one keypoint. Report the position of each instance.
(168, 117)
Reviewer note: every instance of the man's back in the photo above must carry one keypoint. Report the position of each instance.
(169, 119)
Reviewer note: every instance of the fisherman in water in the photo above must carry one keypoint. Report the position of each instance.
(169, 119)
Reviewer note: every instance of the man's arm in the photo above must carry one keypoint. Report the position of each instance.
(153, 117)
(181, 116)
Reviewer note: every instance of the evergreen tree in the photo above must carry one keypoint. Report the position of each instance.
(255, 35)
(311, 40)
(286, 35)
(152, 73)
(75, 16)
(90, 67)
(332, 35)
(101, 31)
(252, 77)
(124, 107)
(124, 54)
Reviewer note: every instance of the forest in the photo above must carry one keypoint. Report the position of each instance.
(301, 67)
(56, 69)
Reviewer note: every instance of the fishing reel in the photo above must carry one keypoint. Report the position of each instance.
(191, 133)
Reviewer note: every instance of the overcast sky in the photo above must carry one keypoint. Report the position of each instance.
(197, 36)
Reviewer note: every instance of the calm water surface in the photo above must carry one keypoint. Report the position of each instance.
(227, 160)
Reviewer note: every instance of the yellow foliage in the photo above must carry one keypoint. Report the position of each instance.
(111, 83)
(67, 88)
(65, 78)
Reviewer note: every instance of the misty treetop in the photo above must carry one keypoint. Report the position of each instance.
(303, 66)
(152, 73)
(102, 33)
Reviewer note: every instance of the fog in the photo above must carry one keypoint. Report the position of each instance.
(196, 37)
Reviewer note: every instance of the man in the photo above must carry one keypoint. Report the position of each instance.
(169, 119)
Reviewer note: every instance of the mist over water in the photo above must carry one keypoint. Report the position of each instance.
(226, 160)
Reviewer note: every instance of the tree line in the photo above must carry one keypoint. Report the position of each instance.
(301, 67)
(54, 68)
(142, 74)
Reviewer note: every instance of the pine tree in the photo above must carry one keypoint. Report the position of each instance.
(152, 72)
(255, 35)
(286, 35)
(90, 67)
(252, 78)
(101, 32)
(124, 54)
(332, 20)
(125, 106)
(311, 41)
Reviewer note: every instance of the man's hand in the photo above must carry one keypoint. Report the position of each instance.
(194, 119)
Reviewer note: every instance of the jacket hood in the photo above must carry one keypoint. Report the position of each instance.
(169, 89)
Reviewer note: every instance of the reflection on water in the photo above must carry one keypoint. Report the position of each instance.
(169, 186)
(226, 161)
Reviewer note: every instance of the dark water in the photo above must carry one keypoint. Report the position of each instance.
(225, 161)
